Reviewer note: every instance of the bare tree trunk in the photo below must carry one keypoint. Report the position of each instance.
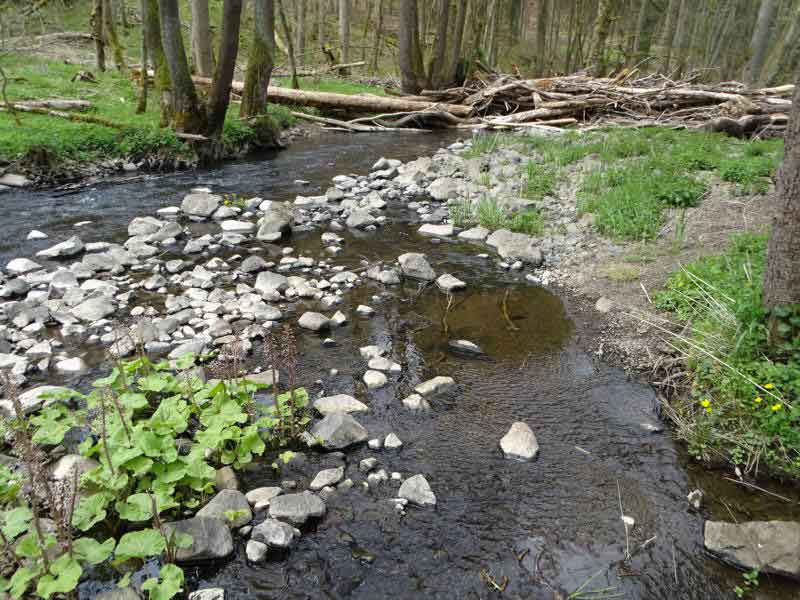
(123, 14)
(541, 36)
(410, 56)
(570, 37)
(187, 113)
(782, 276)
(454, 60)
(785, 57)
(378, 40)
(668, 35)
(220, 95)
(490, 33)
(681, 45)
(96, 24)
(261, 60)
(321, 13)
(141, 106)
(344, 33)
(300, 28)
(162, 82)
(602, 25)
(645, 25)
(201, 39)
(365, 32)
(287, 34)
(760, 41)
(110, 33)
(437, 67)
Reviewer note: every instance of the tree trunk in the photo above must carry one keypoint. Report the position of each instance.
(261, 60)
(490, 33)
(454, 60)
(782, 275)
(201, 39)
(287, 34)
(682, 38)
(376, 51)
(321, 13)
(437, 67)
(96, 24)
(300, 29)
(541, 37)
(645, 24)
(668, 35)
(602, 25)
(344, 34)
(141, 106)
(187, 114)
(162, 83)
(223, 75)
(110, 34)
(410, 56)
(760, 41)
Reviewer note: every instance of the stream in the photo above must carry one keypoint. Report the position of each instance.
(527, 527)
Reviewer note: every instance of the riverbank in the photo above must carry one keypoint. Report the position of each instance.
(378, 287)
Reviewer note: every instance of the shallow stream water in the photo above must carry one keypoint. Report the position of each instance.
(527, 527)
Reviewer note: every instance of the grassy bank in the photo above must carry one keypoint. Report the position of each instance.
(50, 142)
(742, 405)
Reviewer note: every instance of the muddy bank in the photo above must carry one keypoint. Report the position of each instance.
(179, 277)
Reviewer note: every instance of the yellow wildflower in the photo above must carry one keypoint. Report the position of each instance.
(775, 407)
(705, 403)
(768, 386)
(708, 410)
(758, 399)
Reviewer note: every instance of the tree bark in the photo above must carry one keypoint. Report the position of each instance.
(287, 34)
(96, 24)
(201, 39)
(437, 68)
(645, 25)
(782, 275)
(187, 115)
(344, 33)
(681, 45)
(300, 29)
(141, 105)
(110, 34)
(261, 60)
(223, 75)
(454, 60)
(668, 35)
(541, 36)
(321, 23)
(376, 50)
(155, 49)
(602, 26)
(410, 55)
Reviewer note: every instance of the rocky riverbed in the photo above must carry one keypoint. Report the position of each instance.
(465, 432)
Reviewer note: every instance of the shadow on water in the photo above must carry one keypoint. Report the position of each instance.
(552, 522)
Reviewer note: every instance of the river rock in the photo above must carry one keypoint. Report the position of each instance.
(253, 264)
(443, 188)
(339, 403)
(448, 283)
(200, 204)
(465, 347)
(36, 398)
(65, 467)
(338, 431)
(144, 226)
(604, 305)
(359, 219)
(415, 266)
(416, 402)
(225, 479)
(211, 539)
(255, 551)
(436, 386)
(296, 508)
(512, 245)
(276, 223)
(228, 501)
(72, 365)
(15, 180)
(35, 234)
(260, 498)
(327, 477)
(208, 594)
(374, 379)
(237, 226)
(769, 546)
(520, 442)
(476, 234)
(277, 534)
(392, 442)
(20, 266)
(380, 363)
(314, 321)
(418, 491)
(268, 282)
(94, 309)
(436, 230)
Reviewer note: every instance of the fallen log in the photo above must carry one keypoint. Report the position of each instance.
(355, 103)
(79, 118)
(323, 71)
(56, 104)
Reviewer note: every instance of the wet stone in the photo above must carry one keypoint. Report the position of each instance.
(296, 508)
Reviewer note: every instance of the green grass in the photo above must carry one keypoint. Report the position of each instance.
(334, 86)
(743, 399)
(488, 213)
(484, 144)
(540, 180)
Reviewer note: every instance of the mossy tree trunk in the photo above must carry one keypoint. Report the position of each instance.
(155, 51)
(141, 105)
(287, 35)
(201, 39)
(96, 24)
(110, 34)
(223, 74)
(344, 33)
(187, 113)
(437, 67)
(412, 70)
(261, 60)
(601, 29)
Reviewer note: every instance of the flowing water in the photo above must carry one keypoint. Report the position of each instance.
(527, 527)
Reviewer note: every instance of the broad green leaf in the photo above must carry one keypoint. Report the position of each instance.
(154, 383)
(172, 415)
(185, 362)
(108, 381)
(28, 546)
(125, 581)
(133, 400)
(64, 575)
(90, 510)
(92, 551)
(21, 579)
(139, 466)
(16, 521)
(170, 584)
(138, 507)
(140, 544)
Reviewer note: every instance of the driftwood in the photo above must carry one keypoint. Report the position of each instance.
(322, 71)
(56, 104)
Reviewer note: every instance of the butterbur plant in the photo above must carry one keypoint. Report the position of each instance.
(157, 432)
